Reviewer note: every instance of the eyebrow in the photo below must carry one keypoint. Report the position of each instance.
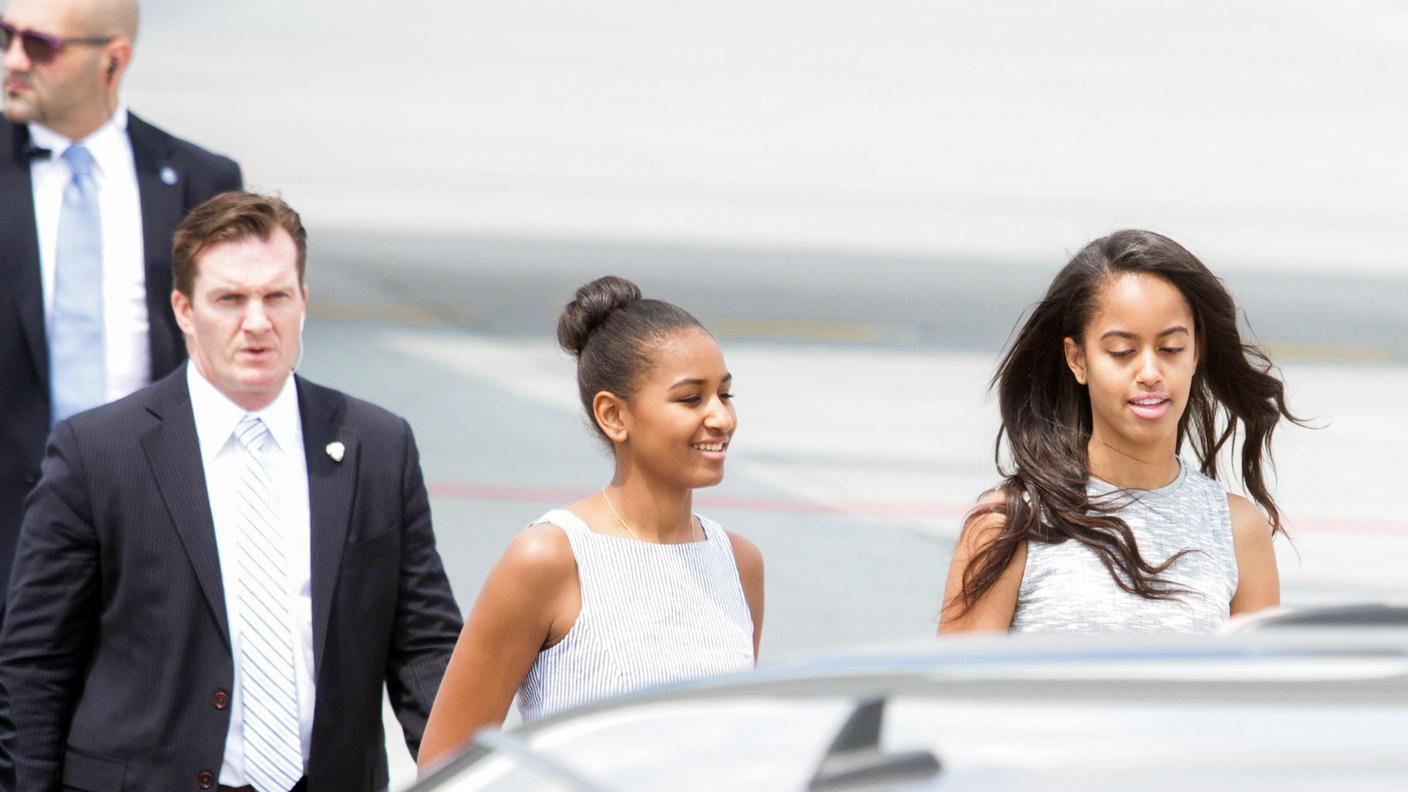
(1127, 334)
(698, 381)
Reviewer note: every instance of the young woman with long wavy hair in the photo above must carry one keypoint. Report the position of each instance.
(1099, 523)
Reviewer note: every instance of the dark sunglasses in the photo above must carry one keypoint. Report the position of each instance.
(40, 47)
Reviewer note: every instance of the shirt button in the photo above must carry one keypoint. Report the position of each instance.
(205, 779)
(221, 700)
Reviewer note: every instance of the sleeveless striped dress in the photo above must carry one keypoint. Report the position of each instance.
(651, 614)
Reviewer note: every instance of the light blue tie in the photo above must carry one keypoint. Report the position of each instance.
(77, 359)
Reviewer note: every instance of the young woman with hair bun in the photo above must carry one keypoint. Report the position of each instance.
(1100, 525)
(628, 587)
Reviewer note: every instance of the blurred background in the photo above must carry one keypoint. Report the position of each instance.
(860, 198)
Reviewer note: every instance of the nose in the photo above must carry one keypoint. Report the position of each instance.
(15, 59)
(256, 318)
(1149, 374)
(721, 417)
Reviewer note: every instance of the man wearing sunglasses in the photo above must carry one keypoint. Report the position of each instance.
(89, 197)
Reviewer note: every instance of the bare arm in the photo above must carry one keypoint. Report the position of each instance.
(1258, 581)
(993, 611)
(750, 574)
(530, 600)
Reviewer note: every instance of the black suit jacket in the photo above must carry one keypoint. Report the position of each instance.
(116, 647)
(24, 355)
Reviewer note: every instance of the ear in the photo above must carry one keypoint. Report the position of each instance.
(1075, 358)
(181, 307)
(613, 416)
(118, 55)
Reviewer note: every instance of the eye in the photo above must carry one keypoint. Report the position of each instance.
(692, 399)
(1121, 353)
(726, 395)
(1171, 350)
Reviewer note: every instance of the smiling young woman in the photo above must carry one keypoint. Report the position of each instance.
(1100, 525)
(628, 587)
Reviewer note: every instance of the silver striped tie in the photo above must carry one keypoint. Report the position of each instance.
(273, 756)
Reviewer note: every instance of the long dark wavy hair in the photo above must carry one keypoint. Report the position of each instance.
(1046, 416)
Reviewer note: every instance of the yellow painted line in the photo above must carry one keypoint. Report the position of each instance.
(1329, 353)
(389, 313)
(799, 330)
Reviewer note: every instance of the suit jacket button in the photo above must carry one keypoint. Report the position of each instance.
(221, 699)
(205, 779)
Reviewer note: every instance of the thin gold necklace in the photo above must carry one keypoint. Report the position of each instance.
(618, 515)
(628, 528)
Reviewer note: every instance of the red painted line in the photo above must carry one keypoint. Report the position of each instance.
(947, 512)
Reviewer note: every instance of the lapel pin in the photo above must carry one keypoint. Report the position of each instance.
(336, 450)
(168, 175)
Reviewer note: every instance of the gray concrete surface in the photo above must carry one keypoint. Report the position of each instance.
(1267, 134)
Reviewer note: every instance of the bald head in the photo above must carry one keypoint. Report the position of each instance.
(82, 17)
(109, 17)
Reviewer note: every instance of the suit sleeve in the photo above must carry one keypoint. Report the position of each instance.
(51, 614)
(428, 620)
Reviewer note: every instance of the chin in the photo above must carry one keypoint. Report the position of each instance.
(1151, 435)
(708, 481)
(15, 110)
(262, 383)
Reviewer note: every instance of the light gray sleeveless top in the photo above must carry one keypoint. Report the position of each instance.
(651, 614)
(1065, 587)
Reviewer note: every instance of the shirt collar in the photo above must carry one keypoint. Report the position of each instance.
(106, 144)
(216, 416)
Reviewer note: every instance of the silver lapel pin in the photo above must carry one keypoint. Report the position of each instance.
(335, 450)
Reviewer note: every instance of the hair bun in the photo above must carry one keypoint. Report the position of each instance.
(590, 307)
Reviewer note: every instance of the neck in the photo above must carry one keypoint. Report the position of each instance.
(79, 128)
(1137, 467)
(654, 514)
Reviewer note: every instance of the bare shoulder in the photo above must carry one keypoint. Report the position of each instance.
(983, 521)
(744, 551)
(539, 551)
(1248, 521)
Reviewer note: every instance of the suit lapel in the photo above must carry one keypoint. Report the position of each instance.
(173, 451)
(161, 187)
(332, 486)
(19, 245)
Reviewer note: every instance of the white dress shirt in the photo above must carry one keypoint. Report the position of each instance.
(222, 456)
(125, 319)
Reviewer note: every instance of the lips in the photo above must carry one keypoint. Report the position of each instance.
(1150, 406)
(711, 448)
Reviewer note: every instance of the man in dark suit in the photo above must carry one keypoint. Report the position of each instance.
(217, 573)
(59, 353)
